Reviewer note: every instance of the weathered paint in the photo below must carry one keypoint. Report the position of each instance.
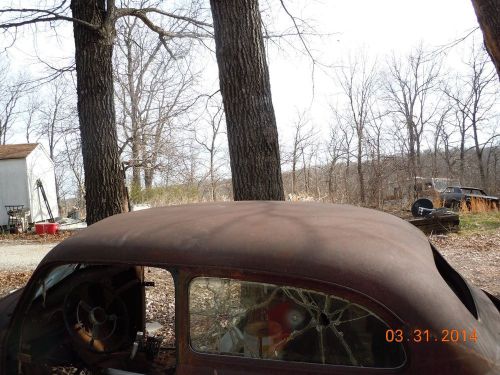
(372, 257)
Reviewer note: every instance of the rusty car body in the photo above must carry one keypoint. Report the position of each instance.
(453, 196)
(260, 288)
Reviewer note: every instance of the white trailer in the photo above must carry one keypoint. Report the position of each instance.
(21, 165)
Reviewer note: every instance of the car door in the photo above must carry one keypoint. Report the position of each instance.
(243, 325)
(458, 194)
(86, 316)
(7, 307)
(447, 196)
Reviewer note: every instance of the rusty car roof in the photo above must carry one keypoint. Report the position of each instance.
(363, 249)
(278, 236)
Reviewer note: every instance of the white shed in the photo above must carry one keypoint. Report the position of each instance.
(20, 167)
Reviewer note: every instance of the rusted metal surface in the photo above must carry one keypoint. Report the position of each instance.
(374, 258)
(437, 224)
(367, 250)
(327, 242)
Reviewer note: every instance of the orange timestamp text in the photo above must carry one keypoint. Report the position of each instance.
(425, 335)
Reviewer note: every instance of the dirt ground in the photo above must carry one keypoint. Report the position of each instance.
(475, 255)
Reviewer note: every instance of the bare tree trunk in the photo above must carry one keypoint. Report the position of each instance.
(301, 142)
(359, 85)
(418, 157)
(304, 172)
(213, 182)
(361, 178)
(435, 153)
(136, 170)
(479, 153)
(104, 184)
(294, 174)
(330, 180)
(246, 92)
(148, 178)
(411, 151)
(496, 180)
(447, 157)
(488, 16)
(346, 181)
(462, 157)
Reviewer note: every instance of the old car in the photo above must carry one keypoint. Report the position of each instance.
(453, 196)
(249, 288)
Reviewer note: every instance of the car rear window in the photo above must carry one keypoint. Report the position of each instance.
(266, 321)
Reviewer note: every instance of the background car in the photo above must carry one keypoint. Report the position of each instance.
(249, 288)
(453, 196)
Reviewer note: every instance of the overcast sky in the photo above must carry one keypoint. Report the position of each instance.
(378, 27)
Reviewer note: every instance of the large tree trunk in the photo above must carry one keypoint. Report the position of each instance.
(104, 184)
(246, 93)
(488, 16)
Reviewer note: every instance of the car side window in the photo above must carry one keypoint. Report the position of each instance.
(266, 321)
(449, 190)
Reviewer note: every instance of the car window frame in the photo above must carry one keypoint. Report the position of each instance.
(381, 311)
(43, 270)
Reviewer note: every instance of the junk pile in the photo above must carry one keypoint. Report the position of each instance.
(432, 220)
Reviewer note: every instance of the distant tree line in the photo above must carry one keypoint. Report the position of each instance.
(137, 115)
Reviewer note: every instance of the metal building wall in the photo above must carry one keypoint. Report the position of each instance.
(40, 166)
(13, 186)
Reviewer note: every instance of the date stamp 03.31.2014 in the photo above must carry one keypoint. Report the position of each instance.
(426, 336)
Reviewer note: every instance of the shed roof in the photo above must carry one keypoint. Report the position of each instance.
(19, 151)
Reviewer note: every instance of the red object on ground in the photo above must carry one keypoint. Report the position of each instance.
(46, 228)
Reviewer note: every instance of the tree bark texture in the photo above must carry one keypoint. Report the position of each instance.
(104, 184)
(246, 92)
(488, 16)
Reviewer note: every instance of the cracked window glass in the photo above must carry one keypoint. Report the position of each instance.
(265, 321)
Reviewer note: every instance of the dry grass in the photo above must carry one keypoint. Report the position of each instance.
(11, 280)
(477, 205)
(437, 202)
(24, 238)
